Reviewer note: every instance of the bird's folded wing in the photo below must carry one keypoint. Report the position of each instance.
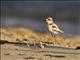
(56, 28)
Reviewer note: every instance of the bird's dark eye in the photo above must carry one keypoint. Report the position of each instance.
(48, 19)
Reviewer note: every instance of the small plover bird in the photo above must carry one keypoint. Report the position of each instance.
(53, 28)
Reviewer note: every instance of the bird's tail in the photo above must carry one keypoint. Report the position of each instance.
(61, 31)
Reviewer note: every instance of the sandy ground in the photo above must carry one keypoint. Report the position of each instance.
(11, 51)
(16, 52)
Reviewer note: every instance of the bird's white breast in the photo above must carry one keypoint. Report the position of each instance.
(50, 28)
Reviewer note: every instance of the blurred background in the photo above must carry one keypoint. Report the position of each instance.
(32, 15)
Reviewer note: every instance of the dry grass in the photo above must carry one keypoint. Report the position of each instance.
(11, 34)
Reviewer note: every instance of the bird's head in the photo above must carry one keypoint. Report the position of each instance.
(49, 20)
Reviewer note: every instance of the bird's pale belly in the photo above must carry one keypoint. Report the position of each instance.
(50, 28)
(52, 31)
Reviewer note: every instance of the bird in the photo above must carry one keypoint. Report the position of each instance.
(53, 27)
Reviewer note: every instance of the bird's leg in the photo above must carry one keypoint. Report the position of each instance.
(54, 37)
(51, 35)
(55, 41)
